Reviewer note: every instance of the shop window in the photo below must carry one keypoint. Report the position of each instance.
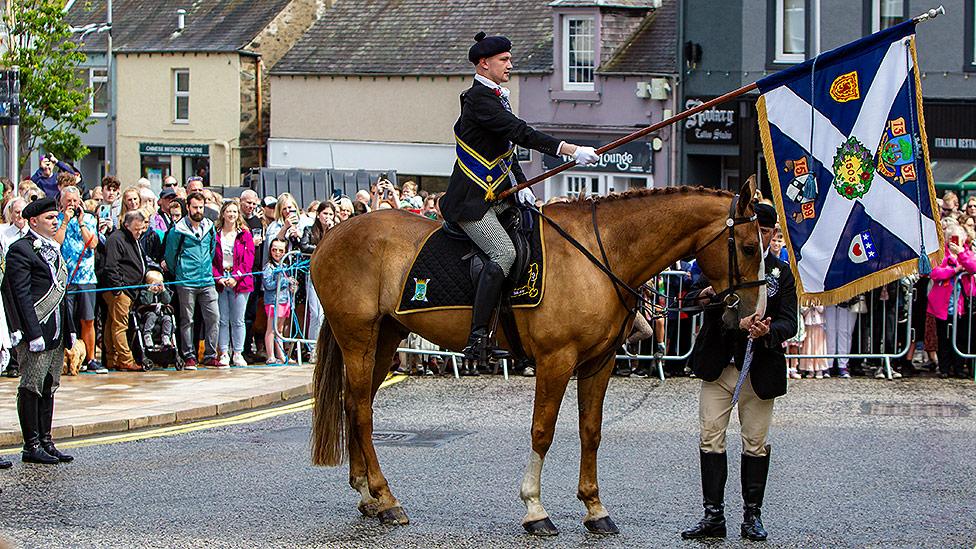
(790, 20)
(577, 185)
(579, 53)
(181, 96)
(155, 168)
(197, 166)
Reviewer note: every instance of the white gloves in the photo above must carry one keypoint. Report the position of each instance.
(526, 196)
(15, 338)
(586, 156)
(37, 345)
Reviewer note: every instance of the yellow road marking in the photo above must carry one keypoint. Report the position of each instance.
(172, 430)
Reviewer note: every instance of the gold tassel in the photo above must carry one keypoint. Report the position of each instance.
(490, 195)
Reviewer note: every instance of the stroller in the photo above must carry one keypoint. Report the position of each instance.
(164, 354)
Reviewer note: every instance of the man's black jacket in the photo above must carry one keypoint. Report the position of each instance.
(716, 346)
(489, 130)
(27, 278)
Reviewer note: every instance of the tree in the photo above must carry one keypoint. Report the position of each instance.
(54, 101)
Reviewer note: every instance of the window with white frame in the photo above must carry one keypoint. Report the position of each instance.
(790, 31)
(181, 96)
(886, 13)
(577, 185)
(98, 84)
(579, 53)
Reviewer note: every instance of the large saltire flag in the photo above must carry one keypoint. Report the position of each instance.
(845, 147)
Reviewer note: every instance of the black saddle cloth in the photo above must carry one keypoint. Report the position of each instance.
(444, 272)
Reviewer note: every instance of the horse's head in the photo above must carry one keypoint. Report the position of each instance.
(731, 258)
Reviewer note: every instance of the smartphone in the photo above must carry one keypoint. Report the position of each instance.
(336, 194)
(294, 218)
(954, 239)
(105, 211)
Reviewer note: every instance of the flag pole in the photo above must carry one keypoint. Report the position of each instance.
(930, 14)
(636, 135)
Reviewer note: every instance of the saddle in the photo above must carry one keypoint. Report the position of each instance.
(445, 272)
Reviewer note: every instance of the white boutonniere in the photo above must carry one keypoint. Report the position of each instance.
(774, 273)
(37, 245)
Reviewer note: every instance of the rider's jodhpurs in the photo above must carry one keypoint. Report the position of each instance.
(715, 409)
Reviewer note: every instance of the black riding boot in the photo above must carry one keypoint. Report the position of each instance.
(46, 407)
(754, 472)
(714, 472)
(486, 299)
(28, 410)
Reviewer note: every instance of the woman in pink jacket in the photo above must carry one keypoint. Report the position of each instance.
(959, 258)
(232, 265)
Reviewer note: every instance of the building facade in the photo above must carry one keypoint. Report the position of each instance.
(721, 52)
(187, 92)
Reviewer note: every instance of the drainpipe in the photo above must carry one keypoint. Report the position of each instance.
(227, 167)
(260, 110)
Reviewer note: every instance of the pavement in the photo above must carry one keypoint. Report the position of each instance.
(855, 463)
(89, 404)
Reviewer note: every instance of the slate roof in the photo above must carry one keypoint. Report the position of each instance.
(645, 4)
(362, 37)
(653, 48)
(150, 25)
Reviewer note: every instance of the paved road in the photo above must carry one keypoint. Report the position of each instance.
(845, 473)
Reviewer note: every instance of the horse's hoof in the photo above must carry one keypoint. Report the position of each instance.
(541, 527)
(602, 525)
(394, 515)
(368, 509)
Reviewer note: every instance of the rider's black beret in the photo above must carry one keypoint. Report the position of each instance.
(488, 46)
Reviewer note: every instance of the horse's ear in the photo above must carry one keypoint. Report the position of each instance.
(746, 193)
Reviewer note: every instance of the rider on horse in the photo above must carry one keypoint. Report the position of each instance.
(486, 134)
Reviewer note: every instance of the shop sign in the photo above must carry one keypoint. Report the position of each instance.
(634, 157)
(717, 125)
(950, 130)
(171, 149)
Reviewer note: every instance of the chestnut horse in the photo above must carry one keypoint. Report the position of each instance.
(359, 270)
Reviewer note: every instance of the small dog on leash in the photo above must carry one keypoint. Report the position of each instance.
(73, 358)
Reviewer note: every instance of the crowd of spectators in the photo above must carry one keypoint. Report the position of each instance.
(203, 275)
(192, 267)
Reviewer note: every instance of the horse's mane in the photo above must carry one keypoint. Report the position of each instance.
(642, 192)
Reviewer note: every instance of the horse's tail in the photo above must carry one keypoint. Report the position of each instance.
(328, 414)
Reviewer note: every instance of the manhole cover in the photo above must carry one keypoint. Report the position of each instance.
(936, 409)
(420, 439)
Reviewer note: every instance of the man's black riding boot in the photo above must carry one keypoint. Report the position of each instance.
(28, 411)
(754, 472)
(46, 417)
(714, 472)
(486, 299)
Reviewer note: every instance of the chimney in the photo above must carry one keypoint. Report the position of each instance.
(180, 20)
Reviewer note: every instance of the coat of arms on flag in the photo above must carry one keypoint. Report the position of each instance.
(844, 140)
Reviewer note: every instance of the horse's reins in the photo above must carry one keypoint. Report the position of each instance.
(721, 299)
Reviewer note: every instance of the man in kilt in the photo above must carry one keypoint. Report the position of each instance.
(34, 284)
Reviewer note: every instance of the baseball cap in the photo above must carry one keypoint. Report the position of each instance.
(167, 192)
(269, 202)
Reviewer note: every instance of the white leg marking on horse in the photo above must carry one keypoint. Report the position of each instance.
(361, 484)
(531, 491)
(598, 511)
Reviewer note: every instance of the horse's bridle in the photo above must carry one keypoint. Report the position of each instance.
(735, 282)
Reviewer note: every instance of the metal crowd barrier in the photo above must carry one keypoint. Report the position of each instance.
(876, 326)
(664, 282)
(969, 354)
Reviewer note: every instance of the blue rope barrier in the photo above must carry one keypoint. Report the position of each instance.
(300, 266)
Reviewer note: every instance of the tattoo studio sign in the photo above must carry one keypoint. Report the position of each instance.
(715, 125)
(635, 157)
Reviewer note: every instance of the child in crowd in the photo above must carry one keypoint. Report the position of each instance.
(153, 298)
(814, 343)
(274, 274)
(793, 346)
(409, 199)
